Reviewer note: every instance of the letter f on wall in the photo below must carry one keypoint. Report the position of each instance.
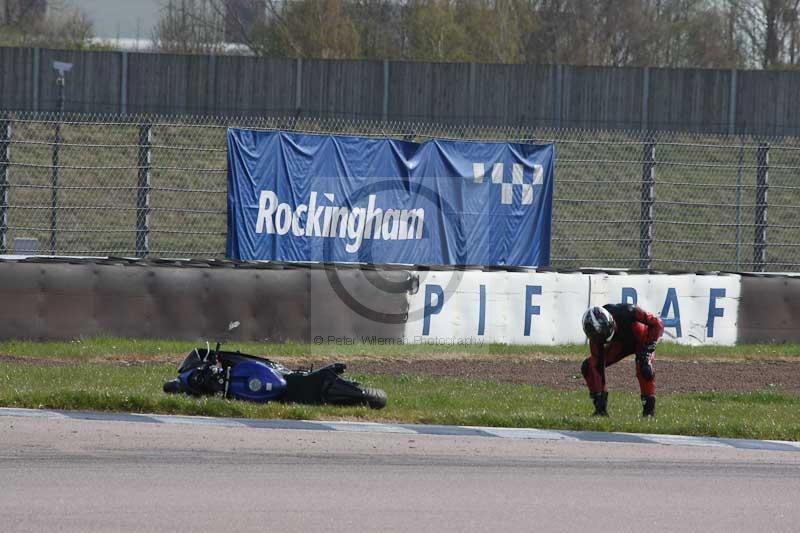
(530, 309)
(713, 310)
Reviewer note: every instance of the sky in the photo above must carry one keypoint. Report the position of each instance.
(125, 19)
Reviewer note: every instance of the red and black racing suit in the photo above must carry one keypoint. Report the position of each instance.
(636, 332)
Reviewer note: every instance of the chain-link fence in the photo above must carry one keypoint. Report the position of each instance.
(156, 186)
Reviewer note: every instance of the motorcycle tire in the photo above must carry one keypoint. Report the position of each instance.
(376, 398)
(173, 386)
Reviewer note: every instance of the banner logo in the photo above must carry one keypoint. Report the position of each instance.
(517, 178)
(316, 220)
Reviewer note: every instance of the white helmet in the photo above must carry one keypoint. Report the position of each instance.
(598, 324)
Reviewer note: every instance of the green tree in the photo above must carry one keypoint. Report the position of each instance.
(673, 33)
(31, 23)
(496, 30)
(433, 33)
(670, 33)
(320, 29)
(189, 26)
(770, 29)
(378, 23)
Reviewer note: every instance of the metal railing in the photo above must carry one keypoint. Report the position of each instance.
(152, 186)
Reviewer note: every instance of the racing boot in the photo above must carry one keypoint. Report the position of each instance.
(648, 406)
(600, 400)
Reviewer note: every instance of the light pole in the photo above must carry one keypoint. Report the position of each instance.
(62, 68)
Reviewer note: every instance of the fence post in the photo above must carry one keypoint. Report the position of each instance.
(143, 191)
(762, 184)
(54, 179)
(739, 206)
(5, 159)
(648, 196)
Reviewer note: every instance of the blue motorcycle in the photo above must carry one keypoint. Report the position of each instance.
(239, 376)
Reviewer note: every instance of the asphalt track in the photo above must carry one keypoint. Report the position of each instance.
(84, 472)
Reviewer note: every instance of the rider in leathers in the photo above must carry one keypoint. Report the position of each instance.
(616, 331)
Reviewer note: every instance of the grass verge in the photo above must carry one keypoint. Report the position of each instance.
(412, 399)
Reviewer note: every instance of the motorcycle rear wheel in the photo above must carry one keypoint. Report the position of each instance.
(376, 398)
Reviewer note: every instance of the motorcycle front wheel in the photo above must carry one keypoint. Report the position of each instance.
(173, 386)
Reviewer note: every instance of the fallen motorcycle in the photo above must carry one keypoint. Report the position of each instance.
(235, 375)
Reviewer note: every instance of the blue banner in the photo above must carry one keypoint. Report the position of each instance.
(300, 197)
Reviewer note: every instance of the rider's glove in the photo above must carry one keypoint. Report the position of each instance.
(647, 349)
(643, 360)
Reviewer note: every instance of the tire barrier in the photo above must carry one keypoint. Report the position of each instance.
(769, 309)
(51, 299)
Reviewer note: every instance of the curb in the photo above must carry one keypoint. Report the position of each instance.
(413, 429)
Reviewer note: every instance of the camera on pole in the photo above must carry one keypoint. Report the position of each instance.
(62, 69)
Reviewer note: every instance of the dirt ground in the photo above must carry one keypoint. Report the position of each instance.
(671, 376)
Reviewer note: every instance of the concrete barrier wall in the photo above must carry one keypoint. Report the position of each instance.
(545, 308)
(47, 299)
